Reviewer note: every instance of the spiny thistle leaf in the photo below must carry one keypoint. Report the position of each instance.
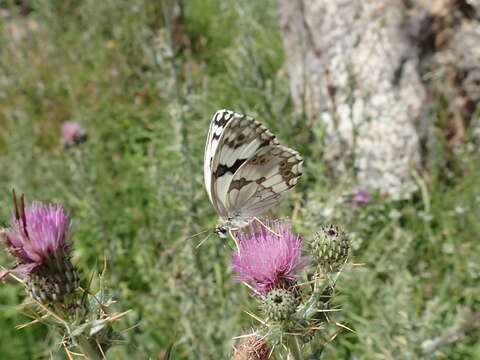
(309, 308)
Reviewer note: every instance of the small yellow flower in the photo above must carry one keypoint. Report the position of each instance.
(110, 44)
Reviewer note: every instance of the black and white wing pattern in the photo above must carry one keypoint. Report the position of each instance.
(246, 170)
(261, 181)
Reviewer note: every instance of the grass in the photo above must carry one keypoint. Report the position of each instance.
(144, 84)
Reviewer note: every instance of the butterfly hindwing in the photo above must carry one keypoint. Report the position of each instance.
(262, 180)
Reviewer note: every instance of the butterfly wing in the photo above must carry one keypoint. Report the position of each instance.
(232, 140)
(261, 181)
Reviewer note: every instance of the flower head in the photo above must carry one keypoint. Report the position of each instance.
(360, 196)
(35, 233)
(264, 259)
(4, 13)
(72, 133)
(37, 238)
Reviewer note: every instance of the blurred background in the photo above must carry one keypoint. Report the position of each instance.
(379, 98)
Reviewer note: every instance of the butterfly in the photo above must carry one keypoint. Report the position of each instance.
(246, 170)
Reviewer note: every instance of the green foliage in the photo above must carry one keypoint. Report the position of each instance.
(145, 89)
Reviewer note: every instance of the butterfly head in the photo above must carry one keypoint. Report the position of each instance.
(226, 225)
(221, 231)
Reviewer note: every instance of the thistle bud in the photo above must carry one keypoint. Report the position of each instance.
(279, 304)
(252, 348)
(309, 336)
(330, 247)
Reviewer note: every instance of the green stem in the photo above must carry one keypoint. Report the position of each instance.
(294, 346)
(90, 349)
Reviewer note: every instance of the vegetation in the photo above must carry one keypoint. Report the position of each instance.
(144, 81)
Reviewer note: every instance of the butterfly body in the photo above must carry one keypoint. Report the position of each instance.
(246, 170)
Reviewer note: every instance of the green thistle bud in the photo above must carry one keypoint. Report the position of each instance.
(330, 247)
(291, 286)
(307, 337)
(279, 304)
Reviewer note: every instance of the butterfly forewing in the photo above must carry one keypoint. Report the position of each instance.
(217, 125)
(232, 140)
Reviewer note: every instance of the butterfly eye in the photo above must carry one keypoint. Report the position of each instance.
(221, 231)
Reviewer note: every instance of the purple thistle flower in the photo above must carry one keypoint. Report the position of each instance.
(264, 259)
(72, 133)
(360, 196)
(36, 233)
(4, 13)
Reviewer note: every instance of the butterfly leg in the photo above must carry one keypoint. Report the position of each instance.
(265, 226)
(235, 240)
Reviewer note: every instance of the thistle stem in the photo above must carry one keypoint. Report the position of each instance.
(90, 349)
(294, 347)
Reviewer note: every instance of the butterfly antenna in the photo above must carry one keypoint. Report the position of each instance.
(195, 235)
(266, 227)
(201, 242)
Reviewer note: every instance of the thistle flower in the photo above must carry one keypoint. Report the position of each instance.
(38, 239)
(266, 260)
(72, 133)
(359, 196)
(4, 13)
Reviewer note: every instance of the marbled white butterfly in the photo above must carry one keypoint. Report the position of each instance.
(246, 170)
